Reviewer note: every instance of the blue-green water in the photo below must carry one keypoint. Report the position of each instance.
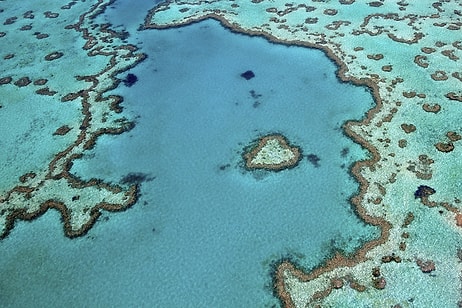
(204, 231)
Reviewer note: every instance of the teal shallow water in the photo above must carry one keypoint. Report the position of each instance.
(201, 236)
(217, 231)
(205, 232)
(27, 142)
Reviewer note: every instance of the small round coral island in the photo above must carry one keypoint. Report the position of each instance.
(271, 152)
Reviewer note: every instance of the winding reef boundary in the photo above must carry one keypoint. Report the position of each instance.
(277, 29)
(79, 202)
(338, 260)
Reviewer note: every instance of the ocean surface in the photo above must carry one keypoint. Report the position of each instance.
(205, 231)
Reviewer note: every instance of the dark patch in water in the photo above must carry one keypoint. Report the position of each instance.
(248, 75)
(424, 191)
(130, 80)
(314, 159)
(224, 167)
(136, 178)
(254, 94)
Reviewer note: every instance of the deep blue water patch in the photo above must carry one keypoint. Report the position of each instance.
(130, 79)
(247, 75)
(424, 191)
(136, 178)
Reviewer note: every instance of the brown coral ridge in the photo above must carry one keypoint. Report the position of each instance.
(49, 14)
(338, 260)
(53, 56)
(447, 147)
(61, 131)
(60, 206)
(454, 97)
(435, 108)
(408, 128)
(444, 147)
(46, 91)
(59, 167)
(426, 266)
(5, 80)
(420, 61)
(22, 82)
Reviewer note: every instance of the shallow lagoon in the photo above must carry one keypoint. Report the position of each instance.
(217, 227)
(121, 254)
(205, 231)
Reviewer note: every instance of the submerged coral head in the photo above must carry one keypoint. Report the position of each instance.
(248, 75)
(130, 80)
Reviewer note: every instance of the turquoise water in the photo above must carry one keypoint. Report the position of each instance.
(217, 231)
(29, 143)
(205, 231)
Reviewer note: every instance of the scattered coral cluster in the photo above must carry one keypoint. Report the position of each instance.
(38, 50)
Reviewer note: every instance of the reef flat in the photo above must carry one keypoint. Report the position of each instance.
(57, 63)
(408, 54)
(272, 152)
